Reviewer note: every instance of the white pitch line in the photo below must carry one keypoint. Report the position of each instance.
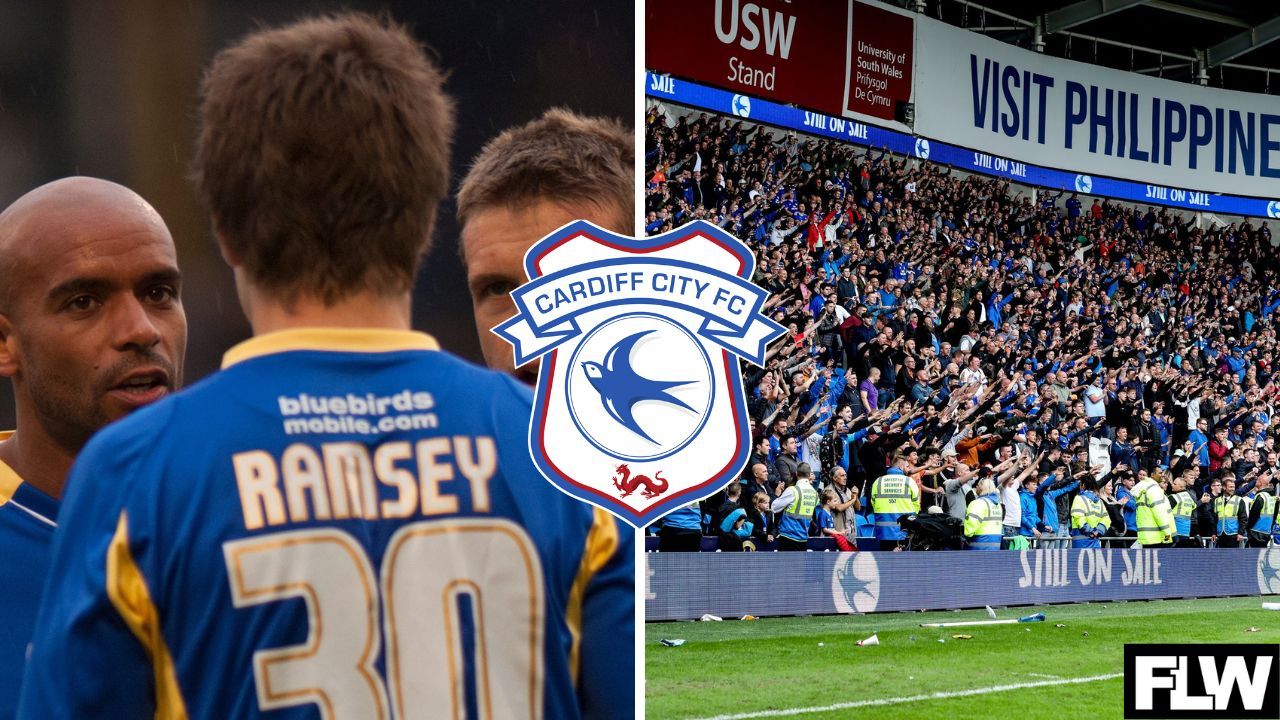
(912, 698)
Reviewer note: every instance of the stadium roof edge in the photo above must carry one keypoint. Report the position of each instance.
(1218, 43)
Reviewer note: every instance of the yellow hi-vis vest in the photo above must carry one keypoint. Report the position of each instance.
(1183, 505)
(894, 494)
(1155, 519)
(1227, 509)
(1087, 514)
(983, 517)
(804, 502)
(1266, 518)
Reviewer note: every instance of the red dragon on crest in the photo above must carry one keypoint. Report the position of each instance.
(628, 484)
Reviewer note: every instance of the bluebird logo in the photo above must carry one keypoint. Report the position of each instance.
(1269, 571)
(741, 106)
(640, 407)
(1084, 183)
(855, 583)
(1273, 209)
(922, 148)
(645, 418)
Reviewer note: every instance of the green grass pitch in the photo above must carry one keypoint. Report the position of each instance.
(775, 667)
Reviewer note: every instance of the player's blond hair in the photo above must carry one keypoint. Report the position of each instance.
(323, 155)
(563, 157)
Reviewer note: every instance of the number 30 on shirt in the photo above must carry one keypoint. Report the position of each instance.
(428, 568)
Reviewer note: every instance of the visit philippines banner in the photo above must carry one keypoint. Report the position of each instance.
(684, 586)
(840, 57)
(986, 95)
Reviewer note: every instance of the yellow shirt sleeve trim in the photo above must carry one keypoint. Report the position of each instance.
(602, 543)
(128, 592)
(9, 480)
(329, 339)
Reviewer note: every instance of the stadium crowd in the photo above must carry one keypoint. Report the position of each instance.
(952, 339)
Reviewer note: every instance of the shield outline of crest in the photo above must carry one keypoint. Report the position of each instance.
(734, 392)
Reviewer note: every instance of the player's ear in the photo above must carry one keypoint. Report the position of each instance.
(8, 348)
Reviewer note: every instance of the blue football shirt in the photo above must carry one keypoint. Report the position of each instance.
(342, 524)
(27, 518)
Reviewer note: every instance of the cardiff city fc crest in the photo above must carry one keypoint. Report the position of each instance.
(640, 407)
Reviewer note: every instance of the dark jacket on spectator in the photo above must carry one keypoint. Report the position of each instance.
(786, 466)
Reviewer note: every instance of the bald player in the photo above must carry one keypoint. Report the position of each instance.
(525, 183)
(91, 327)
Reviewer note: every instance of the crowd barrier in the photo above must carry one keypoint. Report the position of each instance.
(684, 586)
(711, 543)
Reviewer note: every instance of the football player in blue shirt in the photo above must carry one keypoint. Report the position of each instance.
(91, 327)
(345, 522)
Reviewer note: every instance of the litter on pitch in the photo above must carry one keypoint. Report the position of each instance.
(711, 618)
(674, 642)
(962, 637)
(873, 640)
(749, 617)
(1038, 617)
(1271, 606)
(991, 613)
